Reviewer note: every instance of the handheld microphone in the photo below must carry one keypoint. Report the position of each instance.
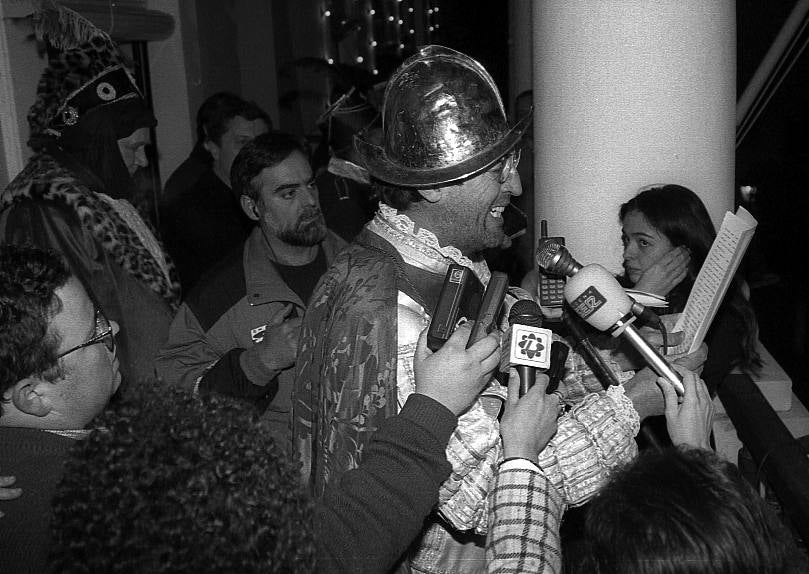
(554, 258)
(595, 295)
(528, 344)
(588, 351)
(559, 353)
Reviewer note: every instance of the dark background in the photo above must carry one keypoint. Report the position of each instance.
(774, 157)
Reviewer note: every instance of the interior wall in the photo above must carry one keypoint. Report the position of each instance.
(256, 45)
(232, 45)
(22, 66)
(218, 40)
(170, 97)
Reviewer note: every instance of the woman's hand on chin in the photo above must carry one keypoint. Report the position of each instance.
(666, 273)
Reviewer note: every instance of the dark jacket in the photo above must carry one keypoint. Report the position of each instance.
(36, 458)
(201, 220)
(368, 519)
(227, 313)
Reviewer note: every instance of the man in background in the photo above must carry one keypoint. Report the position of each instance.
(200, 217)
(237, 331)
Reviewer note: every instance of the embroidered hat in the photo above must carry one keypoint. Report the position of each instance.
(84, 78)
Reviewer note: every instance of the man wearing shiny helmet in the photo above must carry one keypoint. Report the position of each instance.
(446, 175)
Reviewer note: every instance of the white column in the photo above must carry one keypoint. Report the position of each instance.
(629, 93)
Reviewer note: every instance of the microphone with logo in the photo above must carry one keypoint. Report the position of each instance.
(529, 344)
(595, 295)
(553, 257)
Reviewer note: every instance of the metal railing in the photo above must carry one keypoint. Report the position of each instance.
(780, 458)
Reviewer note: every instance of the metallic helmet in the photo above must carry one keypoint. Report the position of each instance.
(443, 121)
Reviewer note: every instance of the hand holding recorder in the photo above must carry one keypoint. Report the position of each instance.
(454, 375)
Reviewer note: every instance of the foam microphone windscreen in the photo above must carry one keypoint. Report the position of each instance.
(597, 297)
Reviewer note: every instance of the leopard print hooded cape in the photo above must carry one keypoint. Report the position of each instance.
(45, 179)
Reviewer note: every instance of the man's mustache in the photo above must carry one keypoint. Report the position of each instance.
(310, 215)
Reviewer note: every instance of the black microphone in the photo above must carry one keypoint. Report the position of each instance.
(559, 353)
(587, 350)
(595, 295)
(554, 258)
(529, 344)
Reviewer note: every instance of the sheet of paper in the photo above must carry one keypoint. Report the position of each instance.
(647, 299)
(714, 278)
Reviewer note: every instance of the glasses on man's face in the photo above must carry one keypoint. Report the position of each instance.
(509, 166)
(102, 334)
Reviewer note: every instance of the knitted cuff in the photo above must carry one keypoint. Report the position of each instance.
(591, 439)
(473, 451)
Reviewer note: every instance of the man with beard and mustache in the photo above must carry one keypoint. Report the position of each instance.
(237, 331)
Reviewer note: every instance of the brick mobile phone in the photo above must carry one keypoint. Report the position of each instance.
(460, 298)
(550, 287)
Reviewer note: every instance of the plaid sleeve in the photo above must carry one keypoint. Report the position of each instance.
(525, 511)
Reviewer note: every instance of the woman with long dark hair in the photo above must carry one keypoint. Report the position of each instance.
(667, 233)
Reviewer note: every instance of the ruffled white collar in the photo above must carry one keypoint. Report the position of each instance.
(421, 248)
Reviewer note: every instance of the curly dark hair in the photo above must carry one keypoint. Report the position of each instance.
(29, 277)
(175, 483)
(684, 510)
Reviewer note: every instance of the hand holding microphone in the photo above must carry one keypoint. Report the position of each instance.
(529, 419)
(689, 420)
(595, 295)
(528, 345)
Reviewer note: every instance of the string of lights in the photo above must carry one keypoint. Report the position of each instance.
(358, 32)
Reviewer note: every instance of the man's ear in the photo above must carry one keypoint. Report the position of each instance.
(430, 195)
(30, 396)
(212, 148)
(249, 207)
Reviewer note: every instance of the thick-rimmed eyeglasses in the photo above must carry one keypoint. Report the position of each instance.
(509, 166)
(102, 334)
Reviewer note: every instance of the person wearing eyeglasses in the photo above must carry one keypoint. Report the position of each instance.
(90, 133)
(446, 172)
(58, 370)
